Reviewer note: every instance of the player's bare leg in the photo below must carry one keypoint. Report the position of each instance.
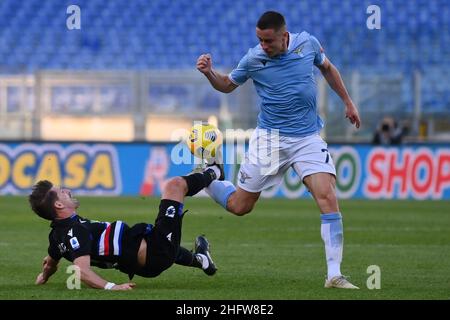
(242, 202)
(237, 201)
(323, 188)
(175, 189)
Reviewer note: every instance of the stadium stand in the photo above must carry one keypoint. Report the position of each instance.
(161, 34)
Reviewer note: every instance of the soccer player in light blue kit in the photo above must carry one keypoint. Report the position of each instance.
(281, 68)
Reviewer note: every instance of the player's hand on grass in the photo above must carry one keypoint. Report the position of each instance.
(351, 113)
(40, 279)
(48, 268)
(204, 63)
(124, 286)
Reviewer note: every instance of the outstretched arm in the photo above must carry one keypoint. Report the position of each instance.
(219, 81)
(334, 79)
(93, 280)
(49, 267)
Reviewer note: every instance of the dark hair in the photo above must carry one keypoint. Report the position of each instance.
(42, 200)
(271, 20)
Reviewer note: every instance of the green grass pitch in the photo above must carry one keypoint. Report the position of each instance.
(273, 253)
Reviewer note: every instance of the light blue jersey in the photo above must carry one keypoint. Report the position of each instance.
(286, 85)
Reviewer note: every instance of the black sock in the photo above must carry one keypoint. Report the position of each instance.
(197, 181)
(187, 258)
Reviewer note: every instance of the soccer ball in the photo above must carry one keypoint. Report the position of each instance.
(204, 140)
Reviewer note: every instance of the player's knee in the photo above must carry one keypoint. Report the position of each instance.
(240, 209)
(175, 185)
(326, 195)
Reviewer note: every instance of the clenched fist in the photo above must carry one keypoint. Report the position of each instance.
(204, 63)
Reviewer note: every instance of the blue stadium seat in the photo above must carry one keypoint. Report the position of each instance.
(140, 34)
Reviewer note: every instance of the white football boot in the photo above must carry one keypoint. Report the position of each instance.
(340, 282)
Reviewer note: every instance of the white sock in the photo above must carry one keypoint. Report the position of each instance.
(332, 235)
(205, 262)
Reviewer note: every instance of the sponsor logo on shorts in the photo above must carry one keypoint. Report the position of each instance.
(244, 176)
(170, 212)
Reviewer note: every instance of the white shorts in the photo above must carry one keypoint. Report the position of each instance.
(270, 156)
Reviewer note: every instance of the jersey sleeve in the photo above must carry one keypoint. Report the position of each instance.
(53, 250)
(319, 55)
(79, 242)
(240, 74)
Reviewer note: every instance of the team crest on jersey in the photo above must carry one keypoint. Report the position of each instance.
(169, 237)
(170, 212)
(62, 248)
(74, 243)
(70, 233)
(299, 50)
